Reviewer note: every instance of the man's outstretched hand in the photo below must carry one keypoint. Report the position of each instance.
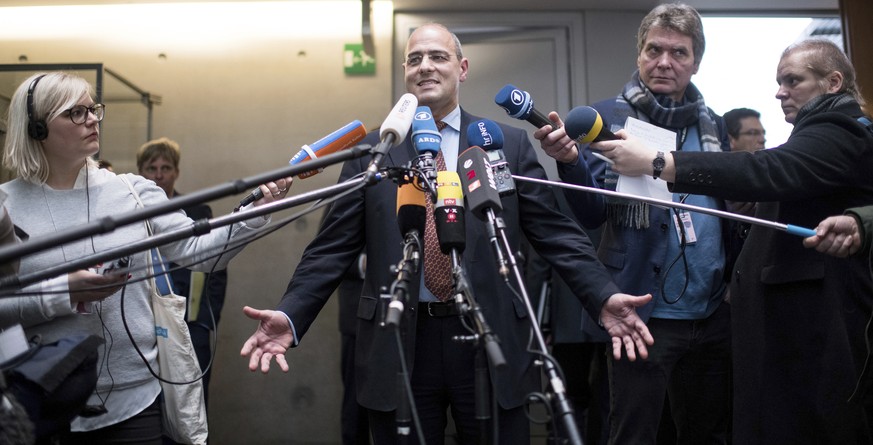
(620, 319)
(272, 339)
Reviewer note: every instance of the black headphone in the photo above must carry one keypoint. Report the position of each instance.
(36, 128)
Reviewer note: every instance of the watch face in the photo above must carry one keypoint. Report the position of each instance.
(658, 164)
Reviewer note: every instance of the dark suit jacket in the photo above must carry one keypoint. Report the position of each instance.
(367, 219)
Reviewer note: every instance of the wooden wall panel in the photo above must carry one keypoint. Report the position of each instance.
(857, 16)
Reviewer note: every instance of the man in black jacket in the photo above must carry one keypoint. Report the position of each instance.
(441, 369)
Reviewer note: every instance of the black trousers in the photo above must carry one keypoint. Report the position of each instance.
(141, 429)
(443, 380)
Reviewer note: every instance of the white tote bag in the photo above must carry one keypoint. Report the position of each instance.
(184, 405)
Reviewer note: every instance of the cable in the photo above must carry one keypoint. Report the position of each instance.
(682, 244)
(224, 249)
(412, 409)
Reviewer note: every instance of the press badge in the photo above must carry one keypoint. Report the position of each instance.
(684, 218)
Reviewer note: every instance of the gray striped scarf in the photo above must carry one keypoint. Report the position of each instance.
(636, 100)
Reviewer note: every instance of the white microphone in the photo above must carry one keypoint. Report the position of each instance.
(393, 130)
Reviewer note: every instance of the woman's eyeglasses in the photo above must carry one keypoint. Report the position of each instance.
(79, 113)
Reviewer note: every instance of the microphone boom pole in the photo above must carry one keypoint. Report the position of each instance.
(108, 224)
(792, 229)
(198, 228)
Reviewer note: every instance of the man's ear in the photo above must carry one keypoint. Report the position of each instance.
(465, 65)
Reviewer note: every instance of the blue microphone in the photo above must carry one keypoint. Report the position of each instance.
(487, 135)
(520, 105)
(426, 140)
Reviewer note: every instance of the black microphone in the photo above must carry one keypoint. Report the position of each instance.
(448, 213)
(488, 135)
(483, 199)
(585, 125)
(520, 105)
(341, 139)
(477, 182)
(426, 140)
(411, 216)
(393, 130)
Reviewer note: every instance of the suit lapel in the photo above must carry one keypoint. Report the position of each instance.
(402, 153)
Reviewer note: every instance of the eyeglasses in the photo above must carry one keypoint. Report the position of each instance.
(79, 113)
(754, 133)
(436, 57)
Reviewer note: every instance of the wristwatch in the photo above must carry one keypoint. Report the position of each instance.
(658, 164)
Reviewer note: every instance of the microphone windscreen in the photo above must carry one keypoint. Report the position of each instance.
(425, 135)
(448, 213)
(400, 118)
(516, 102)
(449, 189)
(341, 139)
(477, 182)
(584, 124)
(410, 208)
(486, 134)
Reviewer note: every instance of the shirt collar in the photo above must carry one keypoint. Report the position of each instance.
(453, 119)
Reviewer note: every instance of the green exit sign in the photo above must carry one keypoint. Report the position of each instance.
(357, 61)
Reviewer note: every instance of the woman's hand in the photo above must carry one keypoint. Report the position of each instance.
(86, 286)
(274, 191)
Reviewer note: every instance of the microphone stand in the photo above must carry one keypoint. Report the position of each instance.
(198, 228)
(464, 297)
(379, 153)
(493, 226)
(563, 408)
(405, 415)
(407, 267)
(110, 223)
(792, 229)
(488, 348)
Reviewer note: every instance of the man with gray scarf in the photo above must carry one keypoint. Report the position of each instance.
(677, 256)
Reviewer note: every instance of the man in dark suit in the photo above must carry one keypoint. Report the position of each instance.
(441, 369)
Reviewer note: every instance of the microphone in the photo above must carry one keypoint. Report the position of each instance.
(585, 125)
(426, 140)
(410, 208)
(393, 130)
(483, 199)
(448, 213)
(520, 105)
(341, 139)
(477, 182)
(488, 136)
(411, 216)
